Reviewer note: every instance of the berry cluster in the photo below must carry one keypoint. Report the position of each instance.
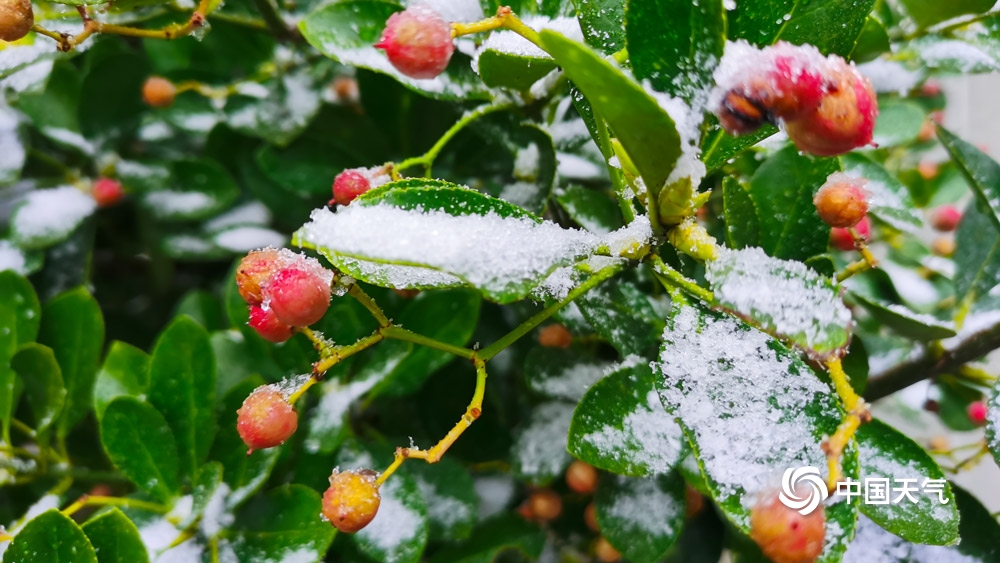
(825, 105)
(353, 182)
(284, 290)
(785, 535)
(418, 42)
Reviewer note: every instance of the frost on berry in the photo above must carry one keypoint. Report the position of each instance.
(785, 535)
(555, 336)
(842, 201)
(297, 297)
(16, 19)
(353, 182)
(158, 92)
(107, 192)
(417, 42)
(268, 326)
(266, 419)
(977, 412)
(254, 271)
(843, 121)
(841, 239)
(581, 477)
(352, 500)
(946, 218)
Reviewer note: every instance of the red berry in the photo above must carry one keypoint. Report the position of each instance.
(297, 297)
(545, 505)
(946, 218)
(16, 19)
(352, 500)
(268, 326)
(841, 238)
(555, 336)
(796, 80)
(844, 120)
(266, 419)
(977, 412)
(348, 185)
(842, 201)
(417, 42)
(107, 192)
(158, 92)
(581, 477)
(254, 272)
(785, 535)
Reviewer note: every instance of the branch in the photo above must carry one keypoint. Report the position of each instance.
(933, 363)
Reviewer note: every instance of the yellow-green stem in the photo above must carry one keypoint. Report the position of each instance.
(88, 500)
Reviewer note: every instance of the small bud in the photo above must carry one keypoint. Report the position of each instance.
(417, 42)
(268, 326)
(555, 336)
(16, 19)
(785, 535)
(298, 297)
(842, 201)
(605, 552)
(545, 505)
(843, 121)
(254, 271)
(581, 477)
(977, 412)
(946, 218)
(266, 419)
(158, 92)
(352, 501)
(107, 192)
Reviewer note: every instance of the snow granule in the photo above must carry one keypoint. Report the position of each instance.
(48, 212)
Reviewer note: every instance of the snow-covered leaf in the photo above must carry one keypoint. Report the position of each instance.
(46, 217)
(620, 426)
(195, 189)
(949, 55)
(785, 297)
(750, 408)
(929, 12)
(890, 200)
(451, 499)
(621, 313)
(641, 517)
(281, 114)
(602, 22)
(562, 373)
(922, 517)
(899, 122)
(539, 452)
(906, 322)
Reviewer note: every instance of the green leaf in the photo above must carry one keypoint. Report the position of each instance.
(282, 524)
(534, 168)
(782, 189)
(196, 189)
(977, 256)
(207, 487)
(620, 426)
(182, 388)
(72, 325)
(929, 12)
(503, 533)
(125, 372)
(446, 316)
(203, 308)
(899, 122)
(51, 537)
(750, 408)
(763, 22)
(305, 167)
(115, 538)
(451, 499)
(603, 23)
(905, 322)
(785, 297)
(886, 453)
(347, 31)
(539, 452)
(244, 474)
(675, 44)
(140, 444)
(46, 217)
(641, 518)
(742, 224)
(20, 314)
(43, 383)
(593, 210)
(719, 147)
(621, 313)
(982, 171)
(872, 43)
(890, 201)
(646, 130)
(501, 69)
(457, 229)
(948, 55)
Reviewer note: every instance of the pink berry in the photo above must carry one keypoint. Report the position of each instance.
(946, 218)
(417, 42)
(977, 412)
(297, 297)
(107, 192)
(843, 121)
(841, 238)
(254, 272)
(842, 201)
(348, 185)
(266, 419)
(268, 326)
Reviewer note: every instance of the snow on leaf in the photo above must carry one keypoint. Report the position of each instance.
(641, 517)
(49, 216)
(785, 297)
